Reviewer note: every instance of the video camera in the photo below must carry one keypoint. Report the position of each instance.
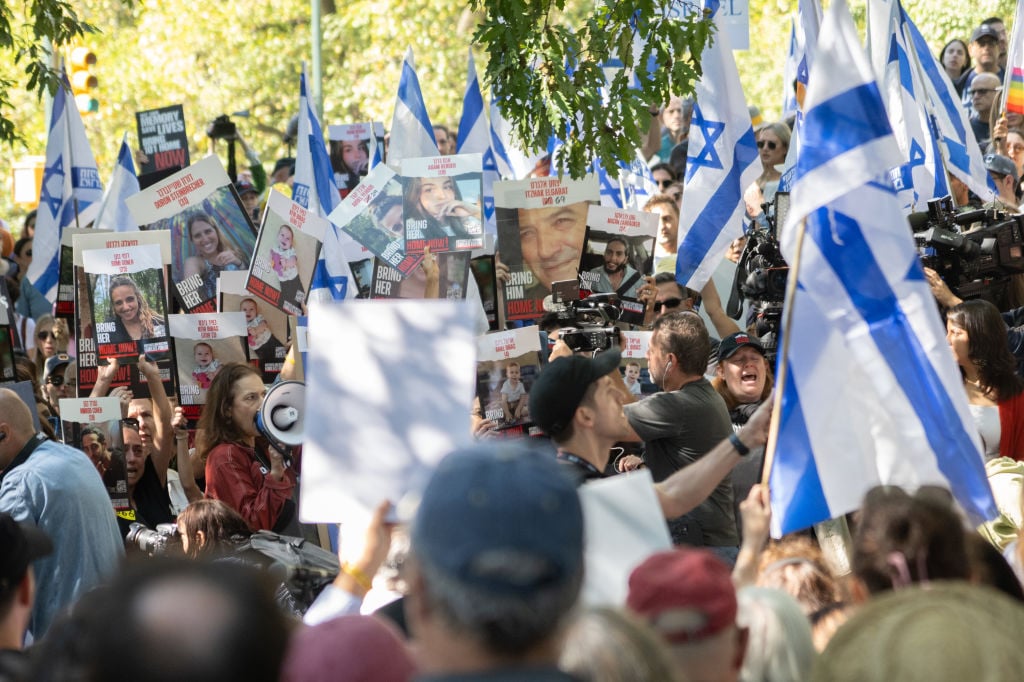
(977, 263)
(222, 128)
(589, 322)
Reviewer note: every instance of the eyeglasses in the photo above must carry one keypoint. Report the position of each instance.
(664, 183)
(982, 91)
(670, 303)
(55, 380)
(44, 335)
(771, 144)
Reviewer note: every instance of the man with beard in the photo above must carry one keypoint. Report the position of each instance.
(616, 275)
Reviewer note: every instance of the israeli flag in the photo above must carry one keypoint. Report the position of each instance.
(872, 394)
(475, 138)
(629, 187)
(921, 176)
(511, 161)
(314, 189)
(807, 27)
(722, 161)
(957, 143)
(789, 103)
(412, 134)
(113, 214)
(71, 183)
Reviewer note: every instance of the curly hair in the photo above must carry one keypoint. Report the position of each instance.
(987, 347)
(147, 317)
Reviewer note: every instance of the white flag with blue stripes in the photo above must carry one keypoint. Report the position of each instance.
(113, 214)
(71, 183)
(921, 177)
(315, 190)
(475, 138)
(872, 395)
(722, 161)
(412, 134)
(959, 145)
(805, 34)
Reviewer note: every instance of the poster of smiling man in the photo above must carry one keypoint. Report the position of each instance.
(619, 252)
(210, 231)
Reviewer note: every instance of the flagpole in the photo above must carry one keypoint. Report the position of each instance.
(783, 355)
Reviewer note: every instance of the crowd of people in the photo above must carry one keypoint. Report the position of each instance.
(484, 582)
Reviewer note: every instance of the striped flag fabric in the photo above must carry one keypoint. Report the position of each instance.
(475, 138)
(412, 134)
(71, 183)
(1013, 82)
(921, 177)
(957, 142)
(722, 161)
(872, 394)
(807, 26)
(113, 214)
(789, 103)
(314, 189)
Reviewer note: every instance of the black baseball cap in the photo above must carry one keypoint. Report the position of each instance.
(985, 30)
(20, 545)
(559, 390)
(734, 342)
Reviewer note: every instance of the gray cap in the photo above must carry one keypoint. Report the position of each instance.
(1004, 165)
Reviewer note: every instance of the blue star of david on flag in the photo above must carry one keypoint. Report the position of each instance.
(707, 157)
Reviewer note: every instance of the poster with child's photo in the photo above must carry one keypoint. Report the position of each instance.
(93, 425)
(352, 147)
(508, 363)
(618, 254)
(129, 309)
(210, 230)
(286, 253)
(633, 345)
(372, 215)
(266, 327)
(442, 198)
(203, 343)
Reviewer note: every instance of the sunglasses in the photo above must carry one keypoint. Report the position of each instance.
(664, 183)
(669, 303)
(130, 422)
(771, 144)
(44, 335)
(55, 380)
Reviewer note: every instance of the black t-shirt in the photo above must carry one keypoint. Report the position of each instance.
(152, 503)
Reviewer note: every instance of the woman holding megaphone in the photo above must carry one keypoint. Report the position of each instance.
(242, 469)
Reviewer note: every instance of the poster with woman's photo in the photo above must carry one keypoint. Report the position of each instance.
(203, 343)
(85, 331)
(449, 281)
(93, 425)
(352, 146)
(542, 224)
(372, 215)
(286, 253)
(129, 309)
(508, 363)
(266, 327)
(442, 199)
(210, 231)
(618, 254)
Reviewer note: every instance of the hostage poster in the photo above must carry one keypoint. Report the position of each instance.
(618, 254)
(542, 224)
(93, 425)
(203, 343)
(442, 276)
(352, 146)
(372, 215)
(286, 253)
(85, 330)
(441, 203)
(508, 363)
(266, 327)
(210, 231)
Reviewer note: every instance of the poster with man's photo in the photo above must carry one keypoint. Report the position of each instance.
(451, 279)
(508, 362)
(372, 215)
(210, 231)
(203, 344)
(93, 425)
(286, 253)
(85, 330)
(618, 254)
(129, 309)
(542, 224)
(633, 345)
(352, 146)
(266, 327)
(442, 200)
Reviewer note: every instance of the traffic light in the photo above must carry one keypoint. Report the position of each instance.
(83, 82)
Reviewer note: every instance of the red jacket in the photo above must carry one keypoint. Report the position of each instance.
(1011, 426)
(235, 477)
